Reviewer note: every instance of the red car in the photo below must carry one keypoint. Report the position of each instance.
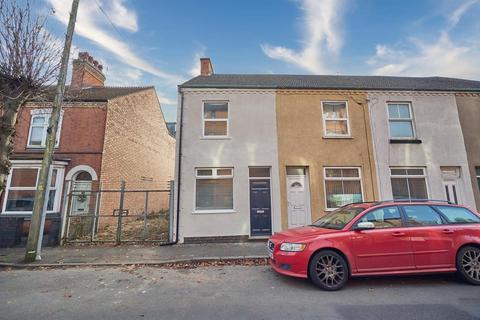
(382, 238)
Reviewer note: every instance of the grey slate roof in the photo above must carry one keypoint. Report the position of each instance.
(92, 94)
(282, 81)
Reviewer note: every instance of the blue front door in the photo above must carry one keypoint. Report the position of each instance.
(260, 208)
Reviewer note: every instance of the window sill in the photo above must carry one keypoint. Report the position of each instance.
(215, 138)
(37, 148)
(330, 209)
(337, 137)
(213, 211)
(401, 141)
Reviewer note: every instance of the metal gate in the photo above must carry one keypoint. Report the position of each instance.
(118, 216)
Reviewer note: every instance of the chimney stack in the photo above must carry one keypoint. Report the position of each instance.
(87, 72)
(206, 67)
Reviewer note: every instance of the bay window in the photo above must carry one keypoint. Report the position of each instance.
(22, 184)
(214, 189)
(342, 186)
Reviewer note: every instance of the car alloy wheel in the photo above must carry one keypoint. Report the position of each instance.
(328, 270)
(468, 264)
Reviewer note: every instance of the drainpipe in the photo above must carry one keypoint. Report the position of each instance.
(179, 141)
(179, 175)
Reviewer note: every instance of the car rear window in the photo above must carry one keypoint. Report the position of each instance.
(422, 216)
(458, 214)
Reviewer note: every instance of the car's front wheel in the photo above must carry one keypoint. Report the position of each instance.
(328, 270)
(468, 264)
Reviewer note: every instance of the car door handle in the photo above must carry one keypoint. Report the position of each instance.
(398, 234)
(447, 231)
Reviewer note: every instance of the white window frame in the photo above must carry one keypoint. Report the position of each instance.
(27, 164)
(204, 120)
(424, 176)
(324, 119)
(213, 176)
(47, 114)
(411, 119)
(325, 179)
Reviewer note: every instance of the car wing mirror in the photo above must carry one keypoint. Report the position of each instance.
(365, 226)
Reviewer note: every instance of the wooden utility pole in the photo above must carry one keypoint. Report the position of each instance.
(35, 234)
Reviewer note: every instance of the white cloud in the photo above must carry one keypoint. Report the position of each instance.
(442, 57)
(123, 17)
(322, 36)
(457, 14)
(195, 68)
(93, 25)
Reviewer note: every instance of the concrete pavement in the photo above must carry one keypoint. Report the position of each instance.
(134, 254)
(232, 292)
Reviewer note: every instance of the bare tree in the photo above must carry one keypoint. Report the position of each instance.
(29, 63)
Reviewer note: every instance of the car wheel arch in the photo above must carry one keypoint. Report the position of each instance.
(340, 252)
(470, 244)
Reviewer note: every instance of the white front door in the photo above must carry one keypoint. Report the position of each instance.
(452, 192)
(451, 186)
(81, 197)
(297, 197)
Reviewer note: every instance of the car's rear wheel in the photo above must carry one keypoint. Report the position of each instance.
(328, 270)
(468, 264)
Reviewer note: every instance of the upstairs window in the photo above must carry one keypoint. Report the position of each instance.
(335, 119)
(400, 121)
(408, 183)
(37, 137)
(215, 119)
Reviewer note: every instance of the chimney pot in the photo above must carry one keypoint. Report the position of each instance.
(206, 67)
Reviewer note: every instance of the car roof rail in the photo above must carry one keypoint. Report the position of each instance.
(415, 200)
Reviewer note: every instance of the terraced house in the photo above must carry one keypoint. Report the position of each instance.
(106, 134)
(261, 153)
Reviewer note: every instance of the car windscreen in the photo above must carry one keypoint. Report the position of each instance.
(339, 218)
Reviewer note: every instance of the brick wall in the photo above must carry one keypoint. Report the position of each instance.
(137, 148)
(81, 143)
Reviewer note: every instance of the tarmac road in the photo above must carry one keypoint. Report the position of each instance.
(229, 292)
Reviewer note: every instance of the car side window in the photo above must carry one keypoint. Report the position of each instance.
(387, 217)
(421, 215)
(458, 214)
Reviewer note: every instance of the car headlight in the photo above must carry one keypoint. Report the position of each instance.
(292, 247)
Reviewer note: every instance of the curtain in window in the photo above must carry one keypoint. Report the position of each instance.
(214, 194)
(340, 193)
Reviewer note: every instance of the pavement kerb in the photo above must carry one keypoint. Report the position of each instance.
(129, 263)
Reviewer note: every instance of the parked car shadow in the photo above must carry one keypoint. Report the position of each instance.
(380, 281)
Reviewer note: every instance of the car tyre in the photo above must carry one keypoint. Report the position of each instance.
(468, 264)
(328, 270)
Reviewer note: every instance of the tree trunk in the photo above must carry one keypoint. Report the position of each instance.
(7, 132)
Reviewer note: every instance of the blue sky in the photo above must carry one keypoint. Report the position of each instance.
(159, 42)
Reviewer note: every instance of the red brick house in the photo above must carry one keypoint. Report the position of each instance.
(106, 134)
